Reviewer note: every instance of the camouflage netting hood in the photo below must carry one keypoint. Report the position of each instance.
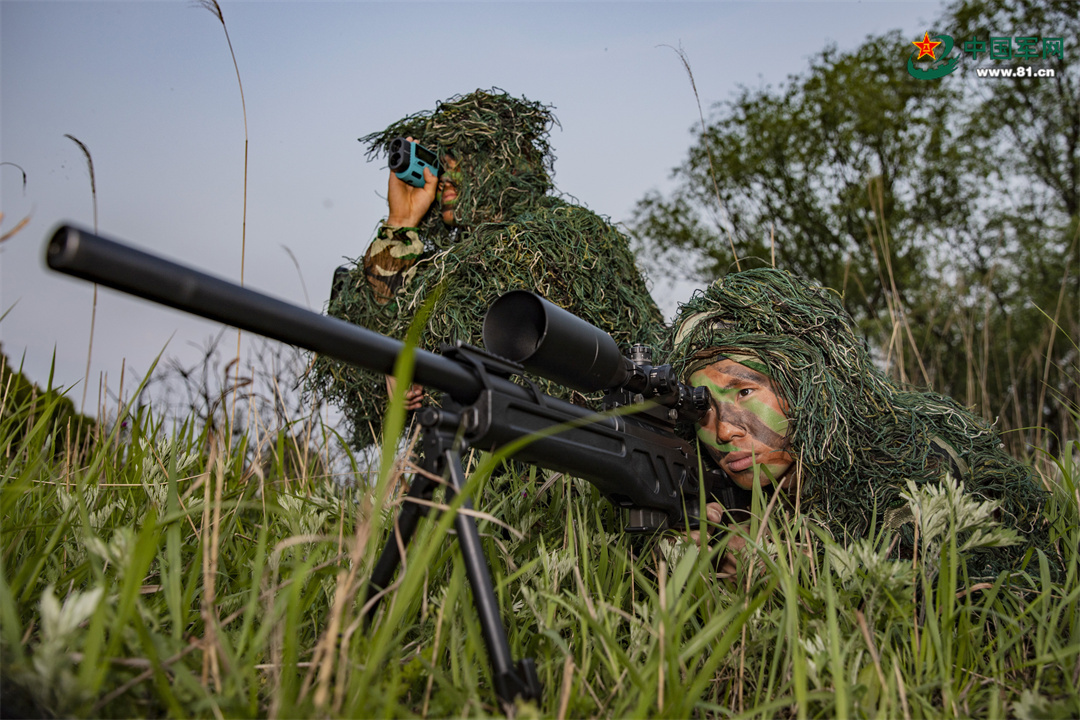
(857, 434)
(505, 140)
(526, 240)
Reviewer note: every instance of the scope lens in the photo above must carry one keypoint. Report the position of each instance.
(553, 343)
(514, 326)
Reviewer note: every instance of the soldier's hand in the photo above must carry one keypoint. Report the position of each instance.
(714, 513)
(414, 396)
(727, 564)
(409, 204)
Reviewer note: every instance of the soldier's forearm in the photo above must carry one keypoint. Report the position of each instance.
(389, 260)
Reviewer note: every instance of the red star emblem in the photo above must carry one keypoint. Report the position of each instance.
(926, 47)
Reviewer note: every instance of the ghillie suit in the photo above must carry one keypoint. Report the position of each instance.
(858, 436)
(509, 235)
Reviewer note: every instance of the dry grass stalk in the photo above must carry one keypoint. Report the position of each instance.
(567, 685)
(876, 190)
(22, 223)
(708, 149)
(322, 660)
(93, 311)
(661, 583)
(300, 275)
(356, 557)
(15, 230)
(19, 167)
(865, 630)
(435, 655)
(211, 539)
(1053, 331)
(215, 9)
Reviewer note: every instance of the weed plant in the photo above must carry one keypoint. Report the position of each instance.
(167, 573)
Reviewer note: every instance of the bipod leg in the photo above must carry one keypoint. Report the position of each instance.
(400, 535)
(511, 679)
(443, 458)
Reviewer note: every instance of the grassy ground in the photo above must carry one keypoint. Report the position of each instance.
(161, 572)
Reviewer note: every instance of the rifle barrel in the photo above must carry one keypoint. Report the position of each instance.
(84, 255)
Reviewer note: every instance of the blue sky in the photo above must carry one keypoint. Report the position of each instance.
(150, 88)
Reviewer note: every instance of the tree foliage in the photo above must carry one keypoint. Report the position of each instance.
(811, 169)
(944, 211)
(1024, 137)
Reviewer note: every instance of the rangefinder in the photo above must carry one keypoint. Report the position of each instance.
(408, 160)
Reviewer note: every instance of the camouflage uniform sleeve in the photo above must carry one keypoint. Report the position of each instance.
(389, 263)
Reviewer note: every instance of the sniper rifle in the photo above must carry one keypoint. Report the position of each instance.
(636, 460)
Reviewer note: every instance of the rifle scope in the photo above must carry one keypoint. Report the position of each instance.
(553, 343)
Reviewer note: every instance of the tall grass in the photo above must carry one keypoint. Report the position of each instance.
(215, 9)
(724, 221)
(93, 310)
(165, 572)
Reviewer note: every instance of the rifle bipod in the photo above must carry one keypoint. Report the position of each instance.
(442, 457)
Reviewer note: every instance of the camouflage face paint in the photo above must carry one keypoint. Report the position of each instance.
(746, 429)
(447, 191)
